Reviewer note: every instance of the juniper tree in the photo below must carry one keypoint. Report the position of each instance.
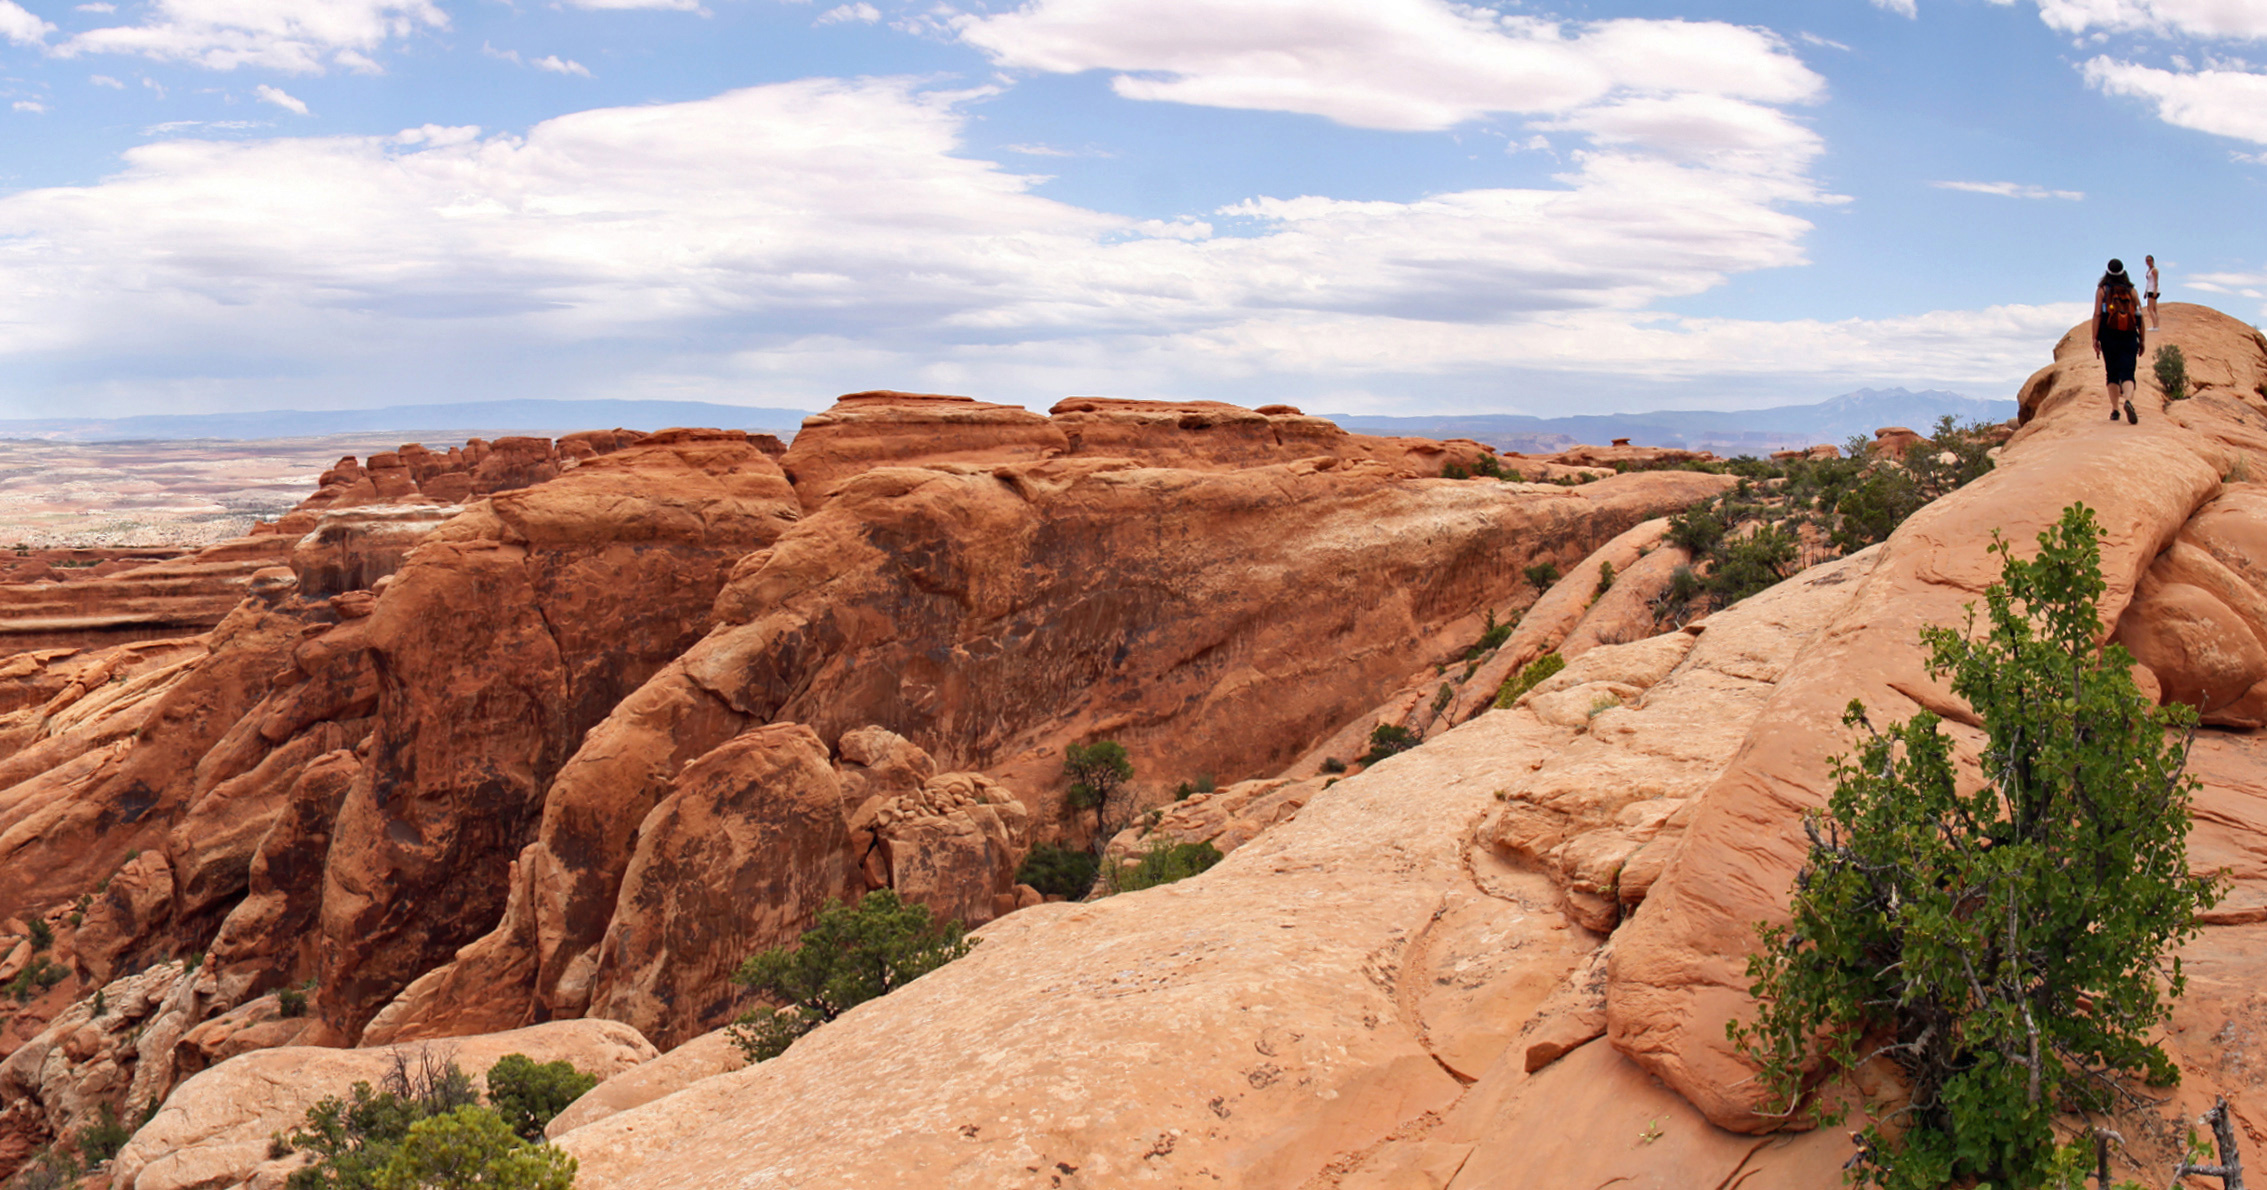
(2007, 942)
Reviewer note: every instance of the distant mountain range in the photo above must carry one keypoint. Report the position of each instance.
(1727, 432)
(486, 419)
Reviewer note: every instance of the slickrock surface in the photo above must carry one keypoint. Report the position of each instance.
(1315, 1006)
(1677, 966)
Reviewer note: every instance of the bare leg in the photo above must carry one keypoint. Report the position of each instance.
(2153, 312)
(2127, 388)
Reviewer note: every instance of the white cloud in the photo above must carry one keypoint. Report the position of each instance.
(558, 65)
(2222, 102)
(1824, 43)
(793, 240)
(19, 26)
(98, 7)
(861, 11)
(1394, 64)
(1903, 8)
(104, 80)
(293, 36)
(30, 105)
(278, 97)
(2241, 19)
(2011, 190)
(668, 5)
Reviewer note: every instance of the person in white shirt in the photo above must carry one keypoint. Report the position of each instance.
(2151, 293)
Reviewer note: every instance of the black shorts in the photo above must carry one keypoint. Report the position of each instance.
(2119, 349)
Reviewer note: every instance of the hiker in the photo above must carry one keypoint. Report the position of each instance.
(2117, 335)
(2150, 294)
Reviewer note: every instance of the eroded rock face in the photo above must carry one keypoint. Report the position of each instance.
(505, 636)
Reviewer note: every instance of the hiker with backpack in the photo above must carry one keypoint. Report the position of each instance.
(2117, 335)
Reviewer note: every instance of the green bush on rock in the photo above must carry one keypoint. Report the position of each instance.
(1056, 871)
(1167, 863)
(2008, 944)
(852, 954)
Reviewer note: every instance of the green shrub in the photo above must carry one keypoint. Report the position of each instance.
(1064, 872)
(1188, 789)
(42, 935)
(852, 954)
(53, 1170)
(2172, 372)
(36, 977)
(1746, 565)
(100, 1006)
(1098, 772)
(1605, 579)
(1389, 739)
(1492, 636)
(2009, 944)
(291, 1002)
(1873, 508)
(352, 1140)
(1167, 863)
(1527, 679)
(1697, 529)
(1331, 764)
(101, 1140)
(527, 1095)
(472, 1147)
(1954, 457)
(1541, 575)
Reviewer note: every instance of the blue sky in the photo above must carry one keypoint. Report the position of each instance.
(1388, 206)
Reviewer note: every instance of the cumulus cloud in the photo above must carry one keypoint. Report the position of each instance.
(1393, 64)
(788, 239)
(2230, 103)
(2243, 19)
(667, 5)
(860, 12)
(30, 105)
(278, 97)
(2011, 190)
(20, 27)
(291, 36)
(104, 80)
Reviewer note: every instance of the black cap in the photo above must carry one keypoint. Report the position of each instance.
(2116, 265)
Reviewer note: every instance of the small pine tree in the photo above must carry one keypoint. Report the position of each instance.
(528, 1095)
(1098, 772)
(2172, 372)
(852, 954)
(2009, 946)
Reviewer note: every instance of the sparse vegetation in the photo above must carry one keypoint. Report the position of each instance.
(852, 954)
(527, 1095)
(1491, 637)
(1331, 764)
(354, 1140)
(1526, 679)
(1389, 739)
(291, 1002)
(2007, 943)
(1541, 575)
(1188, 789)
(37, 976)
(101, 1140)
(1098, 772)
(1058, 871)
(1167, 863)
(2172, 372)
(52, 1169)
(1605, 578)
(42, 935)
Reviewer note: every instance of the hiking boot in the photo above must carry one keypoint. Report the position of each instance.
(2130, 415)
(2113, 413)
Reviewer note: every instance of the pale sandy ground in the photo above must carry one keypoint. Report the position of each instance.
(114, 494)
